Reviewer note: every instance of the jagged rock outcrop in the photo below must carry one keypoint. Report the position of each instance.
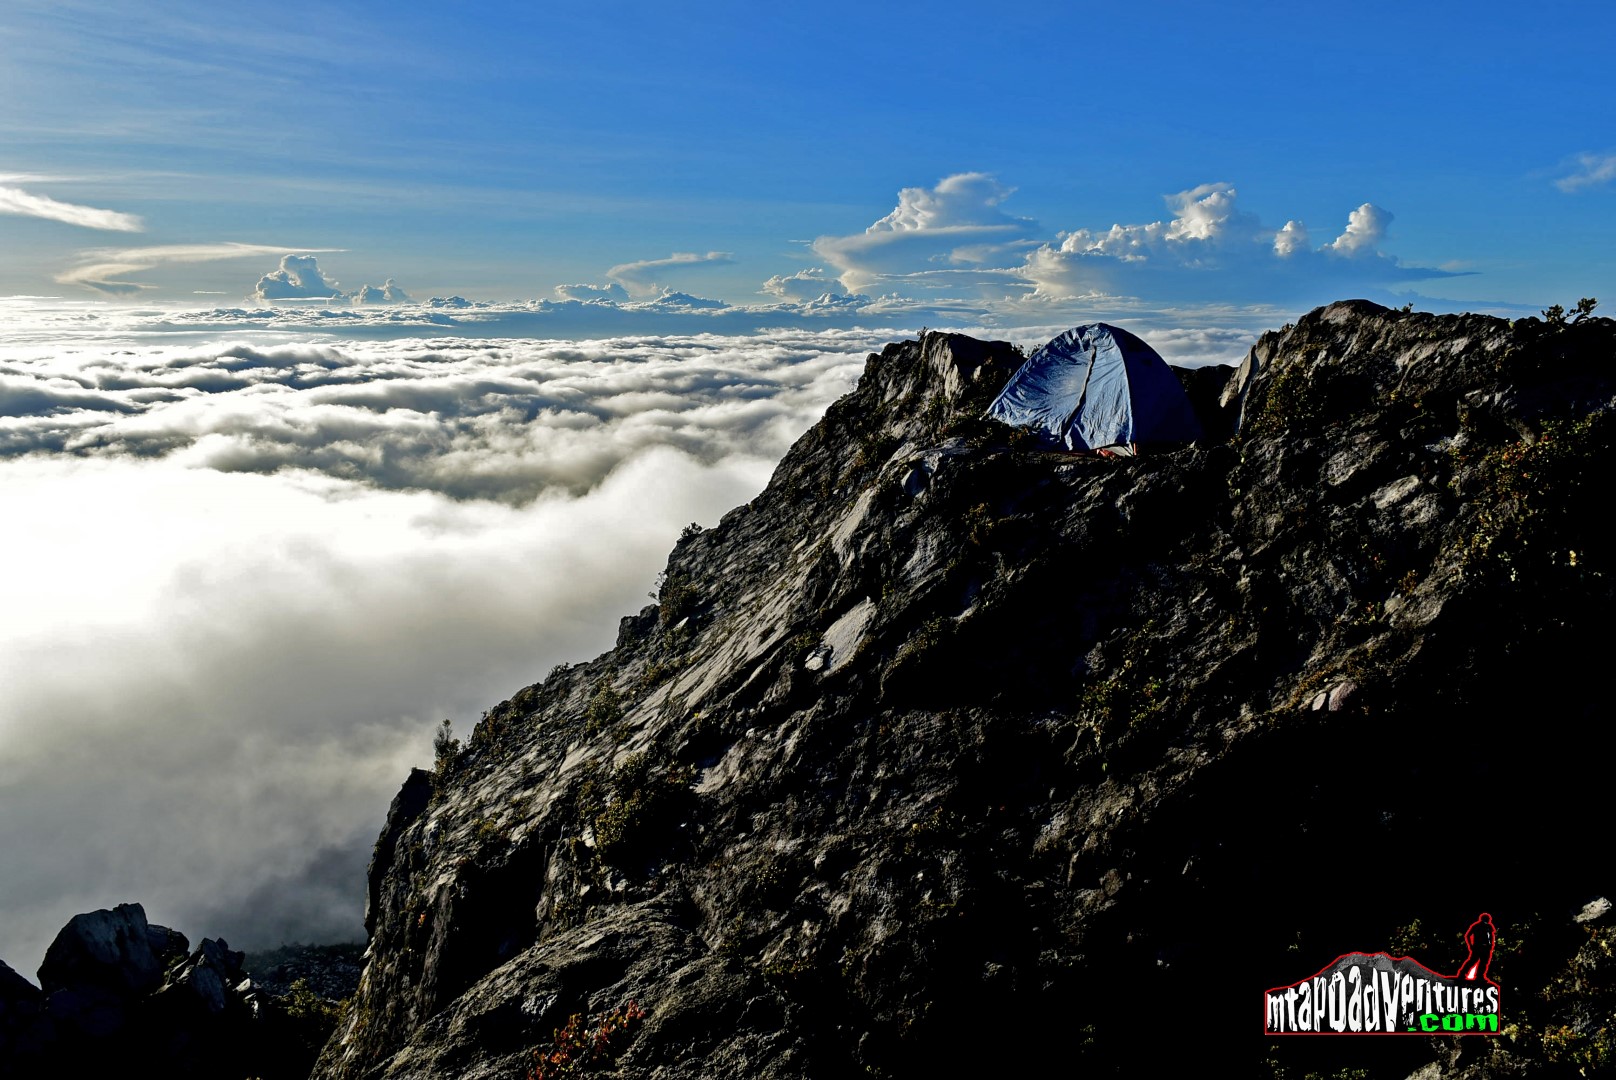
(115, 953)
(116, 990)
(943, 752)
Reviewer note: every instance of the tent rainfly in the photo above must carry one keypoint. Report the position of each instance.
(1097, 387)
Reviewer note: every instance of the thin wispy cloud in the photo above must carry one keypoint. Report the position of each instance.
(15, 200)
(645, 277)
(1589, 170)
(106, 270)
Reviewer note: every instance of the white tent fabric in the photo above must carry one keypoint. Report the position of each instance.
(1096, 386)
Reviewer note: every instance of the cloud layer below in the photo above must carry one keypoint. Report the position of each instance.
(252, 576)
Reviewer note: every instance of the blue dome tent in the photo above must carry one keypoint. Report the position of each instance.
(1097, 387)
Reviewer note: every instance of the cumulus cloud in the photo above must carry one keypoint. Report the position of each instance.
(1589, 170)
(808, 284)
(613, 292)
(299, 278)
(17, 201)
(1211, 250)
(389, 293)
(679, 301)
(106, 270)
(645, 277)
(1291, 238)
(1204, 220)
(958, 221)
(1366, 228)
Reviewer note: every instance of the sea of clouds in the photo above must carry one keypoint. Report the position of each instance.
(252, 560)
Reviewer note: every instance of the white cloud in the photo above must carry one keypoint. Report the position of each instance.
(508, 423)
(1366, 228)
(1591, 170)
(808, 284)
(645, 277)
(17, 201)
(613, 292)
(1212, 251)
(962, 199)
(1204, 218)
(292, 560)
(105, 269)
(957, 221)
(389, 293)
(1290, 239)
(299, 278)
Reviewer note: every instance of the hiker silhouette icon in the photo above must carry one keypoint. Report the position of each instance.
(1479, 939)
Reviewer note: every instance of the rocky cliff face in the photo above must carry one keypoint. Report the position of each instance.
(944, 751)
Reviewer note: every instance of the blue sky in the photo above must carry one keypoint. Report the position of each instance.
(499, 150)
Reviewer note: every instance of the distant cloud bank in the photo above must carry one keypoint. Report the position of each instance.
(644, 278)
(300, 278)
(952, 253)
(957, 239)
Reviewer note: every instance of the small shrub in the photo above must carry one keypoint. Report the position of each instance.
(445, 748)
(980, 524)
(310, 1021)
(1122, 702)
(1292, 400)
(605, 709)
(585, 1042)
(676, 598)
(802, 645)
(644, 807)
(657, 671)
(1556, 315)
(1537, 499)
(873, 452)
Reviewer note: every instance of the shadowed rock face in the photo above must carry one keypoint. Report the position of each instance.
(115, 950)
(116, 990)
(943, 752)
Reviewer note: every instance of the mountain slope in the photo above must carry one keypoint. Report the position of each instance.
(944, 750)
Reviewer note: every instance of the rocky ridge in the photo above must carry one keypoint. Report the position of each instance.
(115, 989)
(944, 749)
